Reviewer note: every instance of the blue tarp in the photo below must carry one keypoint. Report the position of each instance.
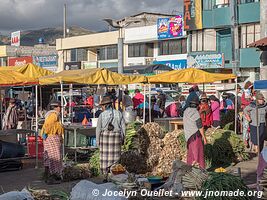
(262, 84)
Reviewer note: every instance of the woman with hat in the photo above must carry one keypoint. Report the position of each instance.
(11, 117)
(205, 111)
(110, 133)
(250, 113)
(52, 133)
(194, 133)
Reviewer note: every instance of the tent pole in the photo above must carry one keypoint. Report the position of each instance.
(41, 98)
(149, 102)
(62, 115)
(144, 107)
(236, 96)
(36, 125)
(70, 100)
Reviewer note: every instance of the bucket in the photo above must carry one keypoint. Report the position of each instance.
(94, 122)
(11, 150)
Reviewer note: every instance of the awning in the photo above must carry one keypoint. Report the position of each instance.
(259, 43)
(91, 76)
(260, 85)
(29, 70)
(142, 69)
(13, 78)
(190, 75)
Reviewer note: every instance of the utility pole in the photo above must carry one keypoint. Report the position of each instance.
(263, 24)
(234, 37)
(64, 21)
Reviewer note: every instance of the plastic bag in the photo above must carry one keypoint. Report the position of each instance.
(87, 190)
(16, 195)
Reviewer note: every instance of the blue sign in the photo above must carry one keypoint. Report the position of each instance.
(206, 61)
(45, 61)
(170, 27)
(174, 64)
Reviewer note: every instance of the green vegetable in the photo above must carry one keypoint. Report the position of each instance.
(95, 163)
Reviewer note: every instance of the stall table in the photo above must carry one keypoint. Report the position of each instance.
(78, 128)
(168, 123)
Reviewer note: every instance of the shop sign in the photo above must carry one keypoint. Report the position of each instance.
(170, 27)
(174, 64)
(72, 65)
(19, 61)
(45, 61)
(192, 15)
(206, 61)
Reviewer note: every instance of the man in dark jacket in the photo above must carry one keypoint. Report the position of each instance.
(161, 100)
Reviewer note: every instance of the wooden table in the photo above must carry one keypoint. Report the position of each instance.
(84, 130)
(167, 123)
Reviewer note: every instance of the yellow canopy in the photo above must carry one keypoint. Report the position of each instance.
(13, 78)
(190, 75)
(29, 70)
(91, 76)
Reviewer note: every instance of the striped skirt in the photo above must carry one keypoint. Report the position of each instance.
(110, 149)
(53, 154)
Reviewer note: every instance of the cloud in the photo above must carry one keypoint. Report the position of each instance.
(34, 14)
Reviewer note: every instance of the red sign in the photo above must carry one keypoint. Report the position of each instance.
(19, 61)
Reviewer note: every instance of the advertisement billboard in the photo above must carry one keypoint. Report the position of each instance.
(192, 15)
(174, 64)
(15, 38)
(206, 61)
(72, 65)
(19, 61)
(45, 61)
(170, 27)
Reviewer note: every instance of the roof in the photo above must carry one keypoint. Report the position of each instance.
(259, 43)
(190, 75)
(152, 13)
(142, 69)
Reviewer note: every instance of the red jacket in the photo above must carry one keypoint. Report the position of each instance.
(138, 99)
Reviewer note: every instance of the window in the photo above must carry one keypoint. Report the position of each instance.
(208, 4)
(108, 53)
(140, 50)
(247, 1)
(73, 55)
(171, 47)
(249, 34)
(203, 40)
(222, 3)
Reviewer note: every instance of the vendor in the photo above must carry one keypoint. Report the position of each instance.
(194, 133)
(11, 116)
(110, 133)
(52, 134)
(250, 113)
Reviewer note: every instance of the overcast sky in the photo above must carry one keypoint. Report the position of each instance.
(35, 14)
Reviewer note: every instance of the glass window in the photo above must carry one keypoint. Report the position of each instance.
(73, 55)
(171, 47)
(249, 34)
(222, 3)
(247, 1)
(204, 40)
(108, 53)
(140, 50)
(208, 4)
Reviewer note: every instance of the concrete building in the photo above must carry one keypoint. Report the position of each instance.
(141, 46)
(41, 54)
(215, 39)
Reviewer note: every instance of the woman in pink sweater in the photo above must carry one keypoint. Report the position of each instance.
(215, 107)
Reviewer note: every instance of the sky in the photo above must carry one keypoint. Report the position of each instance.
(34, 14)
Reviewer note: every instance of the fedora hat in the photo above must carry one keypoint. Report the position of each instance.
(55, 104)
(105, 100)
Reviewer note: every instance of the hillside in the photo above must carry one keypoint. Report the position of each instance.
(30, 38)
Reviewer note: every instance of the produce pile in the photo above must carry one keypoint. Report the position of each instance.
(263, 184)
(94, 163)
(223, 182)
(49, 195)
(76, 172)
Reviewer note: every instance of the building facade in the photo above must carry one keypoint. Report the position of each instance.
(42, 55)
(215, 39)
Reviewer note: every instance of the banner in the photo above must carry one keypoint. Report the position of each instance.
(170, 27)
(206, 61)
(15, 38)
(45, 61)
(19, 61)
(174, 64)
(192, 15)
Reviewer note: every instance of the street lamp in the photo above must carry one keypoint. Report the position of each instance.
(120, 25)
